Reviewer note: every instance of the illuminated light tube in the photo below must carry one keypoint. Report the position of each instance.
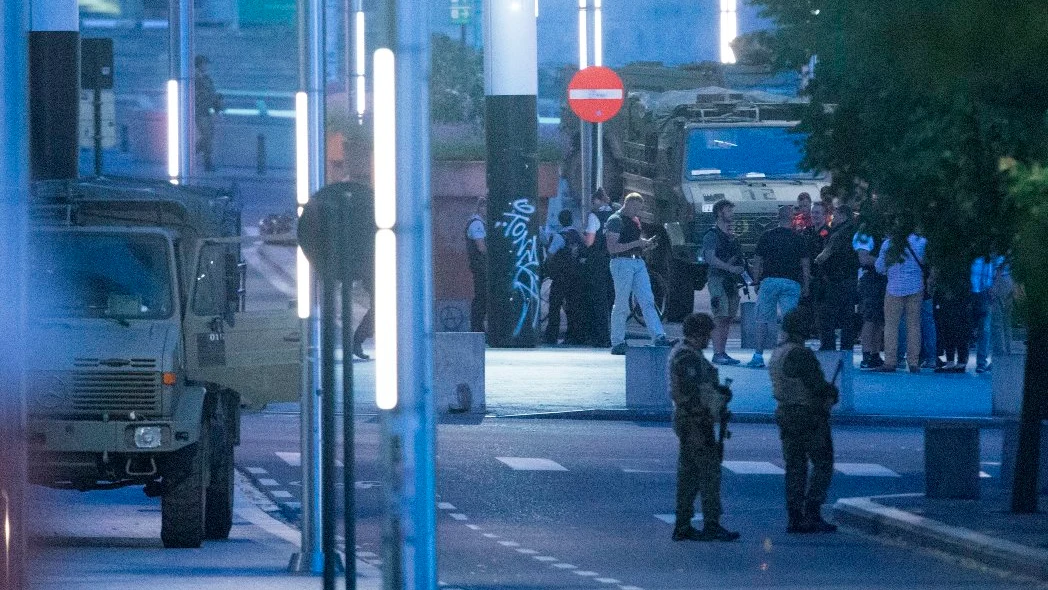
(302, 148)
(536, 8)
(385, 319)
(598, 34)
(173, 140)
(729, 29)
(302, 283)
(583, 42)
(360, 63)
(384, 114)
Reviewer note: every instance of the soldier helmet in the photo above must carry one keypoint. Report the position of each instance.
(797, 322)
(698, 324)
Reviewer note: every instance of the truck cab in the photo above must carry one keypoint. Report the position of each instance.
(142, 349)
(686, 150)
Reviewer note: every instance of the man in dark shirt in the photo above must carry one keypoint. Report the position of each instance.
(629, 272)
(784, 271)
(723, 255)
(699, 400)
(839, 268)
(804, 400)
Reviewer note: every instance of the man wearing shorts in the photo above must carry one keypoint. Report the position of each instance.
(723, 254)
(783, 267)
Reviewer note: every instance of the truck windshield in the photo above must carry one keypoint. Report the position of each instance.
(100, 275)
(743, 152)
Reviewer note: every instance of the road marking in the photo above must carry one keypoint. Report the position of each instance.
(473, 527)
(984, 475)
(256, 471)
(585, 574)
(607, 580)
(367, 554)
(865, 470)
(458, 516)
(445, 506)
(509, 544)
(990, 463)
(491, 535)
(544, 558)
(269, 483)
(661, 472)
(630, 588)
(672, 518)
(281, 494)
(563, 566)
(527, 551)
(753, 468)
(531, 464)
(295, 459)
(292, 505)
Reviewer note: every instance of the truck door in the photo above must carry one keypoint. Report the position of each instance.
(241, 329)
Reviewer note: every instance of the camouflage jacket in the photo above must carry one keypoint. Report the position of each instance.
(693, 383)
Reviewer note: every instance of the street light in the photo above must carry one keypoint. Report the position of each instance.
(729, 29)
(385, 300)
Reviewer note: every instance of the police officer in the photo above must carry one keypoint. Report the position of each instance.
(477, 249)
(699, 400)
(804, 400)
(599, 288)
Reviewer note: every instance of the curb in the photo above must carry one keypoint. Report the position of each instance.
(641, 415)
(868, 516)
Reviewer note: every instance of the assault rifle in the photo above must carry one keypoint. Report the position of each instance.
(725, 415)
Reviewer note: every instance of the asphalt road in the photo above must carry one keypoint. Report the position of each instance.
(588, 504)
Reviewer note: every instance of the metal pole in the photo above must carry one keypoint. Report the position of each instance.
(180, 67)
(348, 443)
(310, 70)
(97, 110)
(585, 133)
(327, 354)
(54, 88)
(14, 185)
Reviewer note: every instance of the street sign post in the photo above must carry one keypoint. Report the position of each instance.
(596, 94)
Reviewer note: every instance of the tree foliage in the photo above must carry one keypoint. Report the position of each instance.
(456, 83)
(924, 100)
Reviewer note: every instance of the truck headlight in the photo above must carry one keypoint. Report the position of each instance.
(147, 437)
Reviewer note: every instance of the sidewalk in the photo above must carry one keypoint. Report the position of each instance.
(984, 530)
(111, 541)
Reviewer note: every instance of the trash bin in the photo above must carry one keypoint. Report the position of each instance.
(951, 460)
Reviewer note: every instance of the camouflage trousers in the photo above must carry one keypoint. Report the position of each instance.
(698, 473)
(805, 438)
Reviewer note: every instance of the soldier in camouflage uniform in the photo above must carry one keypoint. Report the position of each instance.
(804, 401)
(698, 401)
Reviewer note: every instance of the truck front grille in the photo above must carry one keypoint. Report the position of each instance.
(114, 392)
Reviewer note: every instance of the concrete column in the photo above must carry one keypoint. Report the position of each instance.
(14, 186)
(511, 85)
(54, 88)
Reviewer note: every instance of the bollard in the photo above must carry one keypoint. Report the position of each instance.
(261, 154)
(951, 460)
(647, 385)
(125, 139)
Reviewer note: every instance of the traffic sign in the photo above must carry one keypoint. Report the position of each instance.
(596, 94)
(461, 12)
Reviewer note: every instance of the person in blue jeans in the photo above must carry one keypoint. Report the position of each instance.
(629, 273)
(783, 267)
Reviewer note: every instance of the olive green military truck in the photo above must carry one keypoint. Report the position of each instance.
(142, 347)
(684, 150)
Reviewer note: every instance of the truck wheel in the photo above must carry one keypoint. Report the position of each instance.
(183, 502)
(219, 518)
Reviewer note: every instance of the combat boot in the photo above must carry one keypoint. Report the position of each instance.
(688, 533)
(713, 531)
(798, 524)
(816, 522)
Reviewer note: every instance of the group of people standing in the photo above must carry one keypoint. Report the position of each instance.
(593, 272)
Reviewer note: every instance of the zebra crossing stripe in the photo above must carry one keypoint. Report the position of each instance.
(753, 468)
(531, 464)
(865, 470)
(295, 459)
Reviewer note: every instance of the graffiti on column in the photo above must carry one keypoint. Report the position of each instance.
(526, 283)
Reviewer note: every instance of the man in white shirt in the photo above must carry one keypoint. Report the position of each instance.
(903, 296)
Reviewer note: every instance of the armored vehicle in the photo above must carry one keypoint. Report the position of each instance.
(684, 150)
(142, 349)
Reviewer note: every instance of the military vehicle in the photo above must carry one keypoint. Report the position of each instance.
(142, 349)
(684, 150)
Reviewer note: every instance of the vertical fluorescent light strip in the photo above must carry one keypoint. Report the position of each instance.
(536, 8)
(729, 29)
(385, 140)
(385, 319)
(173, 145)
(360, 63)
(598, 34)
(385, 300)
(583, 42)
(302, 278)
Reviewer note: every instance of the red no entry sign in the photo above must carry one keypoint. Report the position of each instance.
(596, 94)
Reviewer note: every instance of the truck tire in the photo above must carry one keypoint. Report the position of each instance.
(218, 520)
(182, 506)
